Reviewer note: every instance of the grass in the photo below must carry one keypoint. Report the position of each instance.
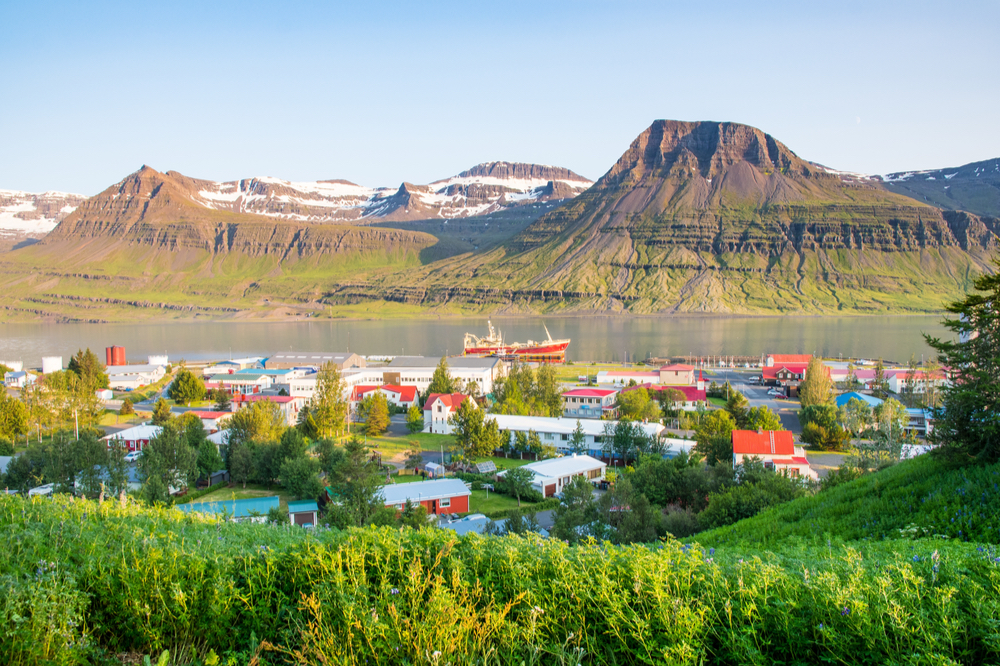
(237, 492)
(504, 463)
(393, 446)
(496, 502)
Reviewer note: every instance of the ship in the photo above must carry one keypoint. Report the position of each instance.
(492, 345)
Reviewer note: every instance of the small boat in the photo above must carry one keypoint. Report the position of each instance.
(492, 345)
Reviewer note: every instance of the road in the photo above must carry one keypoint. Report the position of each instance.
(757, 395)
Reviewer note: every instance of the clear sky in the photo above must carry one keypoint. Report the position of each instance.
(382, 92)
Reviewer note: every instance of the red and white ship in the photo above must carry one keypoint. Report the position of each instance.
(493, 346)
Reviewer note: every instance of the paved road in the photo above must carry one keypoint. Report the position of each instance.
(757, 395)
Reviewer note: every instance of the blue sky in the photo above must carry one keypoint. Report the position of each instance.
(381, 92)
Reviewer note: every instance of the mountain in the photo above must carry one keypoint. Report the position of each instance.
(484, 189)
(719, 217)
(28, 216)
(974, 187)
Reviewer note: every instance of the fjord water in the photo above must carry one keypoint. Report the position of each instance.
(594, 338)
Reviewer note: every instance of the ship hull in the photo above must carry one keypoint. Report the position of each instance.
(555, 351)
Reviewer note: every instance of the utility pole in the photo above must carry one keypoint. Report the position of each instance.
(76, 419)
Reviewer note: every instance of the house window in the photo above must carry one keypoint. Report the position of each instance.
(439, 407)
(594, 474)
(445, 502)
(398, 506)
(769, 465)
(564, 436)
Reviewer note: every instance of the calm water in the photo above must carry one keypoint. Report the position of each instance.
(594, 338)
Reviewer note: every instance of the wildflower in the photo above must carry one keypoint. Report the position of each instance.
(711, 551)
(820, 626)
(845, 611)
(436, 654)
(916, 559)
(538, 610)
(394, 591)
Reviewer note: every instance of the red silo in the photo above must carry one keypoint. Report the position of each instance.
(115, 355)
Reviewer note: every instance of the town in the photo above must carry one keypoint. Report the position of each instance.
(470, 443)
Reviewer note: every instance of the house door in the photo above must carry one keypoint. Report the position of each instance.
(434, 507)
(550, 490)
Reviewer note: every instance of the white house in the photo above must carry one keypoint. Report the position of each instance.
(439, 407)
(552, 475)
(899, 378)
(135, 438)
(244, 383)
(589, 403)
(19, 379)
(212, 420)
(558, 431)
(775, 448)
(133, 376)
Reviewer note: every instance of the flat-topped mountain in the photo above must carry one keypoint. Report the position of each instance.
(973, 187)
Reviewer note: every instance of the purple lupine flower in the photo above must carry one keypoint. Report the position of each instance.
(845, 611)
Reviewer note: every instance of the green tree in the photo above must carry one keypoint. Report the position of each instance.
(127, 407)
(376, 409)
(209, 460)
(300, 477)
(514, 391)
(880, 388)
(891, 417)
(261, 421)
(442, 382)
(292, 445)
(241, 461)
(88, 368)
(817, 387)
(576, 511)
(715, 422)
(821, 426)
(629, 515)
(414, 459)
(968, 423)
(858, 416)
(475, 435)
(415, 419)
(519, 482)
(716, 449)
(187, 387)
(357, 483)
(578, 441)
(6, 447)
(414, 515)
(92, 460)
(762, 419)
(548, 397)
(330, 455)
(267, 462)
(738, 407)
(223, 400)
(329, 404)
(13, 416)
(167, 461)
(758, 490)
(117, 468)
(161, 413)
(637, 405)
(306, 424)
(851, 383)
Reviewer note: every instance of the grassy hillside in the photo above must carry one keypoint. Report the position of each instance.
(88, 583)
(916, 498)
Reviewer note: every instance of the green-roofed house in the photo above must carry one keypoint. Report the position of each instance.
(303, 512)
(245, 509)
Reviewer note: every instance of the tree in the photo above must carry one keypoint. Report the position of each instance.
(968, 422)
(931, 397)
(223, 400)
(414, 515)
(715, 422)
(891, 417)
(267, 462)
(576, 511)
(127, 408)
(187, 387)
(261, 421)
(519, 482)
(851, 383)
(415, 419)
(13, 416)
(858, 416)
(880, 388)
(356, 482)
(414, 459)
(716, 449)
(821, 426)
(300, 477)
(636, 404)
(762, 419)
(330, 455)
(306, 424)
(117, 468)
(908, 392)
(629, 515)
(241, 461)
(208, 460)
(442, 382)
(376, 409)
(578, 441)
(758, 490)
(91, 456)
(6, 447)
(161, 413)
(548, 397)
(817, 387)
(738, 407)
(167, 461)
(329, 405)
(88, 368)
(475, 435)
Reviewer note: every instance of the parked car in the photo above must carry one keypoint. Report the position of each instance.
(132, 457)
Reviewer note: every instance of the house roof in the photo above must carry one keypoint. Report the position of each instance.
(592, 393)
(310, 358)
(790, 358)
(210, 414)
(448, 487)
(302, 506)
(563, 466)
(132, 369)
(677, 367)
(453, 362)
(451, 401)
(253, 398)
(235, 508)
(140, 432)
(358, 392)
(406, 393)
(652, 375)
(844, 399)
(794, 461)
(768, 443)
(270, 372)
(566, 425)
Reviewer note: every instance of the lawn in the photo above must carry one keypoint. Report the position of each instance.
(717, 402)
(497, 502)
(504, 464)
(237, 492)
(573, 372)
(392, 445)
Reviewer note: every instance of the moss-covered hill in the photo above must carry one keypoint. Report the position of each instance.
(82, 582)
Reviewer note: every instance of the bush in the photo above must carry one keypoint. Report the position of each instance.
(681, 522)
(6, 447)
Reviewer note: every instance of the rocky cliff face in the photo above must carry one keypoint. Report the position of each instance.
(28, 215)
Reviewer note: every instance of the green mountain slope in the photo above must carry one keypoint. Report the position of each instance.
(720, 217)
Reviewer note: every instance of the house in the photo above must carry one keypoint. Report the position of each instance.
(19, 379)
(133, 376)
(552, 475)
(898, 380)
(918, 421)
(775, 448)
(212, 420)
(303, 513)
(418, 371)
(777, 359)
(677, 375)
(439, 496)
(247, 509)
(243, 382)
(288, 405)
(341, 360)
(624, 377)
(477, 523)
(558, 431)
(695, 397)
(104, 394)
(135, 438)
(587, 403)
(400, 396)
(439, 407)
(220, 438)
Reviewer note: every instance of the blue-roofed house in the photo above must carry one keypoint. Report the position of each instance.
(244, 509)
(919, 421)
(844, 399)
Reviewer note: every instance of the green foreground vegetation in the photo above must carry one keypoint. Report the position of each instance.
(87, 582)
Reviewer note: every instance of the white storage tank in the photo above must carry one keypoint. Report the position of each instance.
(15, 366)
(51, 364)
(158, 360)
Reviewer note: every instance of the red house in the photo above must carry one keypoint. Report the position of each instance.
(438, 496)
(775, 448)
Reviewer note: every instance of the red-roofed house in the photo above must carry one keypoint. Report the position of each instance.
(212, 419)
(778, 359)
(694, 397)
(590, 403)
(898, 379)
(677, 375)
(402, 396)
(439, 407)
(289, 405)
(775, 448)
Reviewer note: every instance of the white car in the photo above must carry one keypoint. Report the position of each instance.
(132, 457)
